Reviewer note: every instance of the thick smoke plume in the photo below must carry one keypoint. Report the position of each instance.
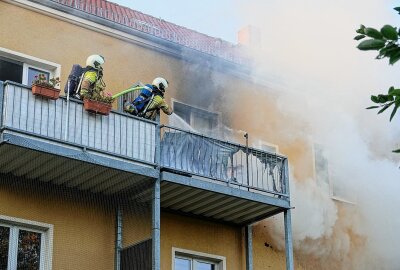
(309, 60)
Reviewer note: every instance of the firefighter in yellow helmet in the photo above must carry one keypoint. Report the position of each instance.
(150, 101)
(92, 81)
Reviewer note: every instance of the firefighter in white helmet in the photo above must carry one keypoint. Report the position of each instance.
(92, 82)
(150, 100)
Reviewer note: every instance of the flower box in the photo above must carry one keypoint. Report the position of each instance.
(95, 106)
(46, 92)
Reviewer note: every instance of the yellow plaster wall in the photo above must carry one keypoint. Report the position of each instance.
(136, 221)
(35, 34)
(201, 236)
(83, 236)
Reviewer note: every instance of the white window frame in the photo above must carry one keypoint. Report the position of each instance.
(31, 62)
(261, 143)
(330, 182)
(218, 114)
(194, 256)
(46, 245)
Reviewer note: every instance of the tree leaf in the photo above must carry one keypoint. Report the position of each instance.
(389, 49)
(361, 29)
(394, 111)
(397, 9)
(394, 92)
(382, 98)
(391, 89)
(371, 44)
(385, 107)
(372, 107)
(374, 99)
(394, 57)
(396, 151)
(372, 32)
(358, 37)
(389, 32)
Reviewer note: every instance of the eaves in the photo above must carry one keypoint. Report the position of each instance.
(122, 32)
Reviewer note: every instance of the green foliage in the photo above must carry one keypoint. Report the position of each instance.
(373, 33)
(387, 100)
(371, 44)
(389, 32)
(386, 43)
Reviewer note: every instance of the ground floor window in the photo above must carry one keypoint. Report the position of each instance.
(24, 245)
(192, 260)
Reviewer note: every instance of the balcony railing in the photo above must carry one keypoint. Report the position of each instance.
(136, 139)
(116, 134)
(235, 164)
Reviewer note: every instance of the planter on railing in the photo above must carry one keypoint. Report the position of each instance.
(98, 107)
(45, 92)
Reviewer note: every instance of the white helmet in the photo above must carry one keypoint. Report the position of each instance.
(95, 61)
(161, 83)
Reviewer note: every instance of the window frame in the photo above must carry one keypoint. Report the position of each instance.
(195, 256)
(199, 110)
(29, 61)
(46, 240)
(330, 181)
(25, 72)
(262, 143)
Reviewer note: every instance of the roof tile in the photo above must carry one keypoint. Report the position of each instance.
(158, 27)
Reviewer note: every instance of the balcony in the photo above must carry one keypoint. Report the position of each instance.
(59, 143)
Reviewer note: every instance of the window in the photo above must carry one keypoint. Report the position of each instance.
(338, 191)
(32, 72)
(269, 147)
(191, 260)
(200, 120)
(22, 68)
(10, 70)
(24, 244)
(321, 166)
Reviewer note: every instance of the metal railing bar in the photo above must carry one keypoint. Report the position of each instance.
(5, 128)
(225, 181)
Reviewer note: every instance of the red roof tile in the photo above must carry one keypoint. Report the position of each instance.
(157, 27)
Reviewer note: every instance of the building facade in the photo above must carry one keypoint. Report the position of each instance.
(84, 191)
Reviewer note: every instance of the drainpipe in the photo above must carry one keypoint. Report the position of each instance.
(118, 238)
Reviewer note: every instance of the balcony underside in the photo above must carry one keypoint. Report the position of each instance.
(35, 158)
(213, 201)
(73, 167)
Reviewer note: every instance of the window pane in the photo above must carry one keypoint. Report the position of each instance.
(10, 71)
(28, 250)
(35, 72)
(4, 240)
(205, 266)
(182, 264)
(182, 111)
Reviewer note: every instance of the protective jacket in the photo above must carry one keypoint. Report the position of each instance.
(155, 105)
(148, 103)
(90, 80)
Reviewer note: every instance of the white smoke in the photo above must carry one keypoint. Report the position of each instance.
(309, 57)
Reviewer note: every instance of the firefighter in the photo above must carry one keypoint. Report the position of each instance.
(92, 82)
(150, 101)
